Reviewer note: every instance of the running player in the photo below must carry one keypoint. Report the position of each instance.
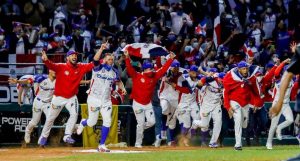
(99, 96)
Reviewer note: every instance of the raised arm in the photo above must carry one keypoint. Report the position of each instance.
(49, 63)
(15, 81)
(162, 71)
(130, 70)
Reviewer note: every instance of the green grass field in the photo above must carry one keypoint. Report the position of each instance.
(220, 154)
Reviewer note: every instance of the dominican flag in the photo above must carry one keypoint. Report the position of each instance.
(17, 70)
(247, 50)
(201, 28)
(145, 51)
(217, 22)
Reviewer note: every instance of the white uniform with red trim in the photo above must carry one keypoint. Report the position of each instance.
(44, 92)
(27, 95)
(286, 111)
(210, 103)
(169, 99)
(99, 94)
(188, 106)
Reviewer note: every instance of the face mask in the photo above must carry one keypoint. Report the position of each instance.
(187, 49)
(149, 74)
(83, 17)
(195, 45)
(171, 37)
(2, 37)
(123, 44)
(34, 1)
(56, 39)
(44, 35)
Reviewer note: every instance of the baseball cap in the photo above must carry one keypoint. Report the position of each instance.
(242, 64)
(193, 68)
(221, 75)
(213, 70)
(175, 64)
(71, 52)
(147, 65)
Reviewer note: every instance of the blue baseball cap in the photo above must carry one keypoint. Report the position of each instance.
(175, 64)
(221, 75)
(242, 64)
(213, 70)
(193, 68)
(147, 65)
(71, 52)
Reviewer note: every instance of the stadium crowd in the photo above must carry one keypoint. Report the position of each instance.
(258, 32)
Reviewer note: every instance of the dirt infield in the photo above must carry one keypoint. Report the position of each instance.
(37, 153)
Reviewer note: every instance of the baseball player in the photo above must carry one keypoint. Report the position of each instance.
(240, 91)
(169, 97)
(143, 85)
(44, 93)
(25, 93)
(286, 110)
(210, 101)
(292, 69)
(68, 77)
(188, 107)
(99, 96)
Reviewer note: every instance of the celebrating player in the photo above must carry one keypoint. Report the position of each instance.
(188, 107)
(286, 110)
(25, 93)
(143, 85)
(241, 90)
(210, 103)
(99, 95)
(169, 97)
(68, 77)
(41, 104)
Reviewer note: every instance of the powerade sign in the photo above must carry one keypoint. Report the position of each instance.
(18, 124)
(8, 94)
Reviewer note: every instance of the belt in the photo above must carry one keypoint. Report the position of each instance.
(42, 100)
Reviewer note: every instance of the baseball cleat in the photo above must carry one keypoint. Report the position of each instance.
(42, 141)
(103, 149)
(172, 143)
(278, 134)
(213, 145)
(138, 146)
(68, 139)
(27, 137)
(239, 148)
(269, 146)
(157, 141)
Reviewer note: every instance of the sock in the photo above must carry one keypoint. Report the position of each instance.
(104, 134)
(204, 135)
(193, 132)
(172, 132)
(184, 130)
(163, 123)
(84, 122)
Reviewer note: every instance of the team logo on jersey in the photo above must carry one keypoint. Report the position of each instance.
(76, 72)
(142, 80)
(67, 72)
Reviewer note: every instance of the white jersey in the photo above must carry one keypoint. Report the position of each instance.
(102, 81)
(211, 94)
(187, 99)
(287, 95)
(44, 87)
(167, 92)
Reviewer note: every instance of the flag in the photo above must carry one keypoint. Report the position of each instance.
(144, 50)
(247, 50)
(201, 28)
(18, 70)
(217, 22)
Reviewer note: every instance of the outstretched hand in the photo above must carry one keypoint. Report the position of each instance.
(293, 47)
(12, 81)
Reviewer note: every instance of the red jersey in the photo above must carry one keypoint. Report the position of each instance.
(241, 90)
(142, 85)
(68, 77)
(267, 85)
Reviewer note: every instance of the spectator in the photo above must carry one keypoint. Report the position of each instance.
(34, 11)
(12, 13)
(18, 40)
(180, 21)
